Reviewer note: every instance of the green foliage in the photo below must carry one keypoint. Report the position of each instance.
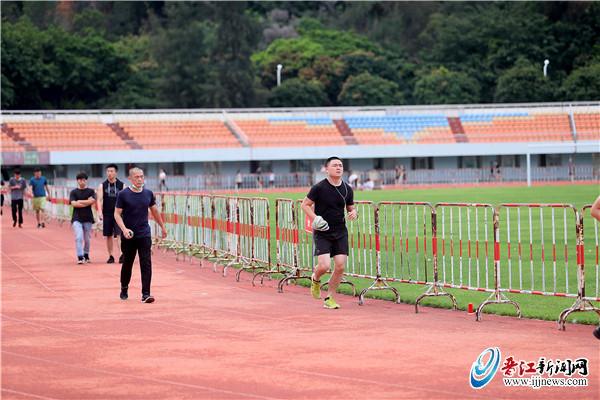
(524, 82)
(442, 86)
(298, 93)
(368, 90)
(55, 69)
(583, 83)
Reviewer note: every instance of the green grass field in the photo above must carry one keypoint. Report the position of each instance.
(523, 273)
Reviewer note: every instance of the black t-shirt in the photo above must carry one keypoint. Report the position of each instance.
(82, 214)
(135, 210)
(109, 195)
(331, 201)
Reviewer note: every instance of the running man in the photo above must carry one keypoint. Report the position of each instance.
(39, 189)
(131, 214)
(107, 198)
(17, 186)
(595, 212)
(82, 199)
(325, 205)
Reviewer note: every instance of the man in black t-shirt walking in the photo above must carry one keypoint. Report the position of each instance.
(131, 214)
(325, 205)
(82, 200)
(107, 198)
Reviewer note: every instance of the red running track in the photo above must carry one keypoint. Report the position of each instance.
(67, 335)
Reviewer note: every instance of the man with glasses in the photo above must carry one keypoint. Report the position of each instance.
(107, 198)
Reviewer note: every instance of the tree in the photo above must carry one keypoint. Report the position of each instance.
(298, 93)
(525, 82)
(368, 90)
(182, 52)
(237, 35)
(55, 69)
(442, 86)
(583, 83)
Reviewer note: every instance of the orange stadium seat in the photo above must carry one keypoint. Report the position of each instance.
(180, 134)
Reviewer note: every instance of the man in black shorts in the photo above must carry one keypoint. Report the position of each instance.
(107, 198)
(325, 206)
(131, 214)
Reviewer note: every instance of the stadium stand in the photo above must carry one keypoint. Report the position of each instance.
(517, 127)
(587, 126)
(398, 129)
(291, 131)
(67, 136)
(9, 144)
(180, 134)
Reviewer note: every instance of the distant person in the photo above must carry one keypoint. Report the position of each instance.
(107, 198)
(238, 180)
(162, 180)
(271, 179)
(571, 170)
(82, 198)
(39, 189)
(2, 189)
(368, 185)
(17, 186)
(353, 180)
(259, 177)
(131, 214)
(595, 212)
(497, 173)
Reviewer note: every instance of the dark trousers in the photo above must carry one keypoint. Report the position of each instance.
(143, 247)
(17, 206)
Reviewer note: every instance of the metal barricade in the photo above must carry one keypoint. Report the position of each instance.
(261, 240)
(286, 236)
(304, 253)
(585, 281)
(223, 237)
(467, 249)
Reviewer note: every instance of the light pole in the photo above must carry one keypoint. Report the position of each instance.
(279, 68)
(546, 62)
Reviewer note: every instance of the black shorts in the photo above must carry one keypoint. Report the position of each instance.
(332, 242)
(109, 226)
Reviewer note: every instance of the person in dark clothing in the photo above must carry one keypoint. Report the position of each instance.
(82, 220)
(325, 205)
(131, 215)
(17, 186)
(107, 198)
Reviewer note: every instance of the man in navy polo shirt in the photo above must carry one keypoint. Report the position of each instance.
(131, 214)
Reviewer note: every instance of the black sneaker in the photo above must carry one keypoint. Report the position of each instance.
(80, 260)
(597, 332)
(147, 299)
(123, 294)
(87, 258)
(14, 223)
(121, 259)
(43, 225)
(39, 226)
(111, 260)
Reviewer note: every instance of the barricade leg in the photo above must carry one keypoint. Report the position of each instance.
(583, 303)
(304, 245)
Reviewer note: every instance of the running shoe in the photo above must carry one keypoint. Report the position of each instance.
(111, 260)
(147, 299)
(330, 303)
(87, 258)
(315, 288)
(80, 260)
(123, 294)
